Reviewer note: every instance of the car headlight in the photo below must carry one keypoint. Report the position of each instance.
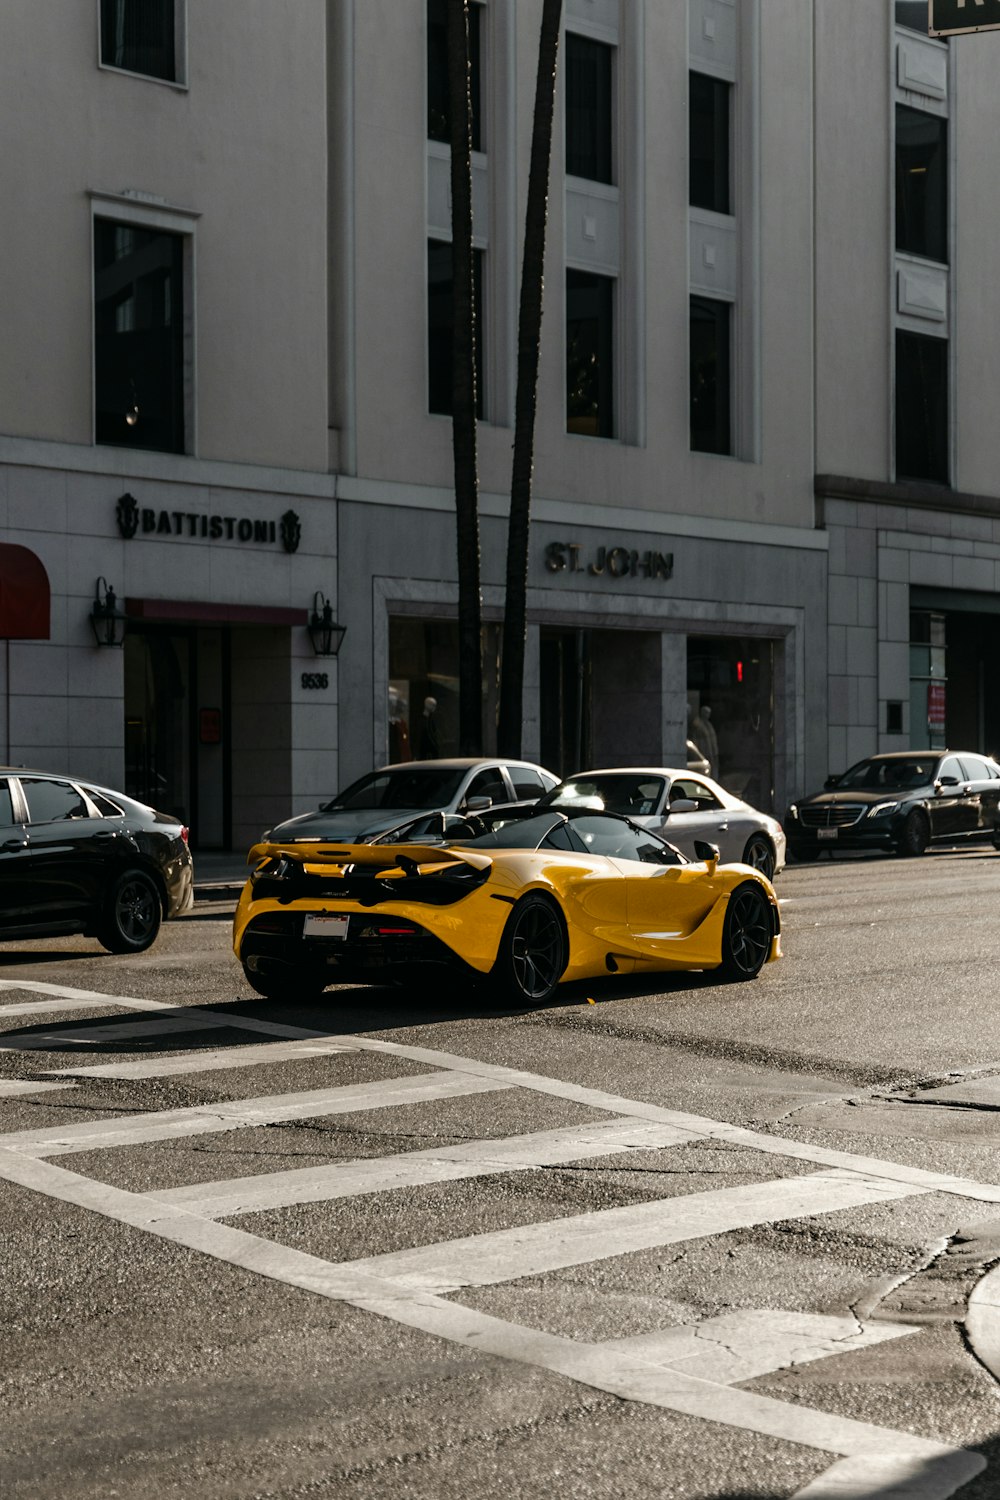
(883, 809)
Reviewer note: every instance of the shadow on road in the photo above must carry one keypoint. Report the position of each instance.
(343, 1009)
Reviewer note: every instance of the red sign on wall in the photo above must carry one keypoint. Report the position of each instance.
(935, 705)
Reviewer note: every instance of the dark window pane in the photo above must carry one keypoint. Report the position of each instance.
(53, 801)
(440, 315)
(590, 402)
(139, 35)
(588, 108)
(139, 337)
(708, 138)
(6, 805)
(438, 110)
(921, 183)
(710, 376)
(921, 407)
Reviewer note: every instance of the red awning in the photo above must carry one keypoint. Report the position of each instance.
(24, 595)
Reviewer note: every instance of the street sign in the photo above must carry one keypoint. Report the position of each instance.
(953, 17)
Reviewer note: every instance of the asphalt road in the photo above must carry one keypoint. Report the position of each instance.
(683, 1240)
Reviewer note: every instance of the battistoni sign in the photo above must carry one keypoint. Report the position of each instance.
(613, 562)
(134, 519)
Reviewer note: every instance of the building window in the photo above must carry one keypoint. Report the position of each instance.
(921, 407)
(438, 107)
(440, 323)
(139, 336)
(921, 183)
(589, 105)
(590, 354)
(708, 142)
(710, 375)
(140, 37)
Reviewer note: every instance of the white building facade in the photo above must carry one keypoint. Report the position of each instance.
(224, 390)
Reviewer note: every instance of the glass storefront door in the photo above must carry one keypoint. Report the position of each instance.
(176, 718)
(730, 692)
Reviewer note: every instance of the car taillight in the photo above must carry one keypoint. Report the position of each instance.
(396, 931)
(184, 834)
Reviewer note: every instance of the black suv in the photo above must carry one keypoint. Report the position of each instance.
(902, 800)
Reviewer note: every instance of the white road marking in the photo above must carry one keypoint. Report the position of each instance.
(205, 1062)
(755, 1341)
(22, 1087)
(533, 1249)
(241, 1114)
(923, 1470)
(243, 1195)
(874, 1460)
(115, 1031)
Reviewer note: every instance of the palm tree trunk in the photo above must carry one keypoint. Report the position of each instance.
(470, 730)
(529, 332)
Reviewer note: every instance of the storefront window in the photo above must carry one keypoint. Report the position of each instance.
(422, 708)
(730, 692)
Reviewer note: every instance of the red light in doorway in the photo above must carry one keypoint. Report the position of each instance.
(739, 671)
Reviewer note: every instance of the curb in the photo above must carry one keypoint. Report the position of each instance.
(982, 1321)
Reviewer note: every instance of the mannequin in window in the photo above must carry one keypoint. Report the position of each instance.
(430, 746)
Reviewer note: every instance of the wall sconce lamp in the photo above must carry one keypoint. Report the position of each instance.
(107, 621)
(326, 635)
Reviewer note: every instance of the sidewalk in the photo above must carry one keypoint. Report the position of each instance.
(218, 875)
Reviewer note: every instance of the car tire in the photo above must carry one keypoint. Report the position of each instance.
(284, 987)
(759, 855)
(746, 932)
(915, 834)
(533, 952)
(133, 914)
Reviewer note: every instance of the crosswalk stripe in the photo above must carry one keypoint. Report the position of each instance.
(534, 1249)
(114, 1031)
(22, 1088)
(483, 1158)
(755, 1341)
(242, 1114)
(886, 1453)
(204, 1062)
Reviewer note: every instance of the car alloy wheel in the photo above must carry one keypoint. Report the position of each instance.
(746, 933)
(134, 914)
(915, 835)
(759, 855)
(532, 953)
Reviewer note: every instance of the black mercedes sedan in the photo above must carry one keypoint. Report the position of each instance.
(903, 800)
(75, 857)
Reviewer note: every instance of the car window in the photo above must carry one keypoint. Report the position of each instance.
(890, 774)
(615, 839)
(515, 833)
(105, 806)
(6, 805)
(950, 767)
(527, 783)
(694, 790)
(488, 783)
(53, 801)
(419, 788)
(634, 794)
(974, 768)
(561, 837)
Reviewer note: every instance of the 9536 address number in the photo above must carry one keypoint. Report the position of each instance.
(315, 679)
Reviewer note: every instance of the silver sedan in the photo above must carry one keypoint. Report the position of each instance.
(682, 806)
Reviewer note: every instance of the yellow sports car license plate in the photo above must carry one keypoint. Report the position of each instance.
(318, 924)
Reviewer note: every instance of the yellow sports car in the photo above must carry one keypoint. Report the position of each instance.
(529, 903)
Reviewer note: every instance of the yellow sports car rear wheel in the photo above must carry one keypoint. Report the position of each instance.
(746, 933)
(533, 951)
